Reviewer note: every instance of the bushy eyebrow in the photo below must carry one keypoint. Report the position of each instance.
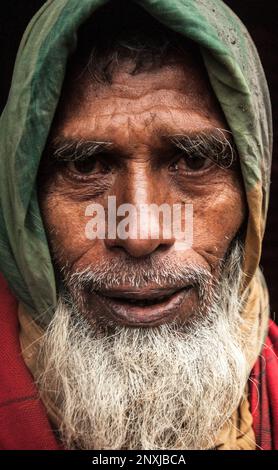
(73, 149)
(214, 145)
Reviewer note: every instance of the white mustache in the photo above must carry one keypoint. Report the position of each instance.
(108, 275)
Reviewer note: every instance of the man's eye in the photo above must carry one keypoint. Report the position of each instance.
(87, 166)
(191, 163)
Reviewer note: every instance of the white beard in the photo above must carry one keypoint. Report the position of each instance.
(168, 387)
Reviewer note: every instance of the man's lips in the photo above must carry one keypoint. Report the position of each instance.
(147, 307)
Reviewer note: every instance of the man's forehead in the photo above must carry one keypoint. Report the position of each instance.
(151, 131)
(150, 100)
(180, 75)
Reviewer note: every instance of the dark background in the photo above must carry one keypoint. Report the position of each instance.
(261, 19)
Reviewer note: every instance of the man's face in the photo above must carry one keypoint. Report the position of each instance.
(138, 129)
(149, 138)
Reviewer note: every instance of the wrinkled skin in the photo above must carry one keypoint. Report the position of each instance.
(133, 113)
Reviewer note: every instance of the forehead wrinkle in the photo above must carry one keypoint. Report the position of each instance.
(177, 84)
(144, 125)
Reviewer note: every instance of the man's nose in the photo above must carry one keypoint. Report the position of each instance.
(139, 248)
(149, 227)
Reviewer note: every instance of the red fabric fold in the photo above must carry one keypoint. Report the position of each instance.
(23, 420)
(264, 392)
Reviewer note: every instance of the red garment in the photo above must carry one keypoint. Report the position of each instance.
(23, 419)
(264, 392)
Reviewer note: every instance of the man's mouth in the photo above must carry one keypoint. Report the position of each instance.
(144, 307)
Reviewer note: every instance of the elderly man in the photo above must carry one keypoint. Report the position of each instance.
(124, 341)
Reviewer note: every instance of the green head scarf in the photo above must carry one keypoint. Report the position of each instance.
(236, 76)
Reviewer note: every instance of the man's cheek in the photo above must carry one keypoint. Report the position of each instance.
(216, 222)
(66, 229)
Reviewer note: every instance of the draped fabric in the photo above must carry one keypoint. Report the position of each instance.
(264, 392)
(24, 423)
